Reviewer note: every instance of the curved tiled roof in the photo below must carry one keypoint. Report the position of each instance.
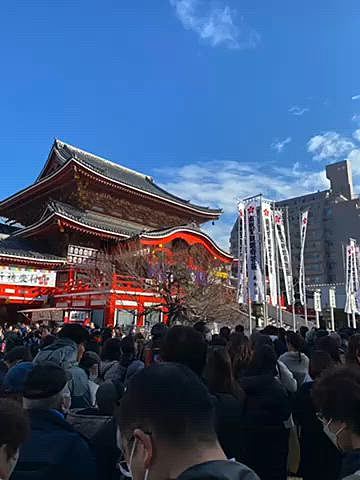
(24, 249)
(122, 174)
(96, 220)
(83, 218)
(158, 234)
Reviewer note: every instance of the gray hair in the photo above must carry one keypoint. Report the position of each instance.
(55, 401)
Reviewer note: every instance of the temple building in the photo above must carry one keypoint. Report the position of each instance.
(79, 207)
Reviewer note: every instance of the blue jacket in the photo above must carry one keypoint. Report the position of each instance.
(54, 451)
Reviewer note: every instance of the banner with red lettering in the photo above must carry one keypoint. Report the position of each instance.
(253, 246)
(269, 244)
(285, 260)
(303, 230)
(242, 290)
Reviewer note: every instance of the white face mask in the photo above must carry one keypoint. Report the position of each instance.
(7, 464)
(333, 436)
(12, 462)
(128, 472)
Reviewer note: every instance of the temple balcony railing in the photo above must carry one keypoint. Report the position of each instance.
(77, 282)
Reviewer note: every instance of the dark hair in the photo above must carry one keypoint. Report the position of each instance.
(240, 353)
(170, 401)
(330, 345)
(239, 328)
(76, 333)
(303, 331)
(216, 340)
(225, 333)
(319, 362)
(258, 339)
(14, 426)
(296, 343)
(128, 345)
(108, 396)
(281, 333)
(186, 346)
(18, 354)
(336, 395)
(270, 330)
(220, 376)
(353, 351)
(111, 350)
(106, 334)
(264, 361)
(201, 327)
(88, 360)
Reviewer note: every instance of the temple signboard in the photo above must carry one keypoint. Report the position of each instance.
(30, 277)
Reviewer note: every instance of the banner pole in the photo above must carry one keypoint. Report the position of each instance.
(246, 253)
(262, 243)
(238, 250)
(279, 319)
(332, 319)
(302, 266)
(353, 319)
(291, 270)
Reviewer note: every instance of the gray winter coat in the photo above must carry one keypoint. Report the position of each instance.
(64, 352)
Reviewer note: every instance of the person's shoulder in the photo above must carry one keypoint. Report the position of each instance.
(220, 470)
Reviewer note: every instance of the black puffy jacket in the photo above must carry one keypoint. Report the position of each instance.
(266, 438)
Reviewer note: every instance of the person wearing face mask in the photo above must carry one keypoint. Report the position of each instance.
(54, 450)
(166, 429)
(14, 429)
(66, 351)
(336, 395)
(90, 363)
(319, 457)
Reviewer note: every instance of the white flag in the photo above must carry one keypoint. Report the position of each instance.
(242, 292)
(317, 301)
(255, 279)
(284, 256)
(267, 219)
(303, 227)
(352, 278)
(332, 298)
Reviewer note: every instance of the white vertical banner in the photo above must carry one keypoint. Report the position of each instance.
(352, 278)
(303, 229)
(317, 301)
(332, 297)
(242, 290)
(267, 219)
(255, 279)
(284, 255)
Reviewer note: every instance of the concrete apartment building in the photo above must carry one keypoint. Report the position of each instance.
(334, 216)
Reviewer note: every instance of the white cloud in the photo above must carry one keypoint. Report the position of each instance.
(215, 24)
(279, 145)
(298, 111)
(356, 135)
(330, 145)
(356, 118)
(223, 183)
(354, 158)
(355, 97)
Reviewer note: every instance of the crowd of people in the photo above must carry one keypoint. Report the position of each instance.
(83, 403)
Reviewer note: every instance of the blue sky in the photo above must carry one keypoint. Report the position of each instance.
(216, 99)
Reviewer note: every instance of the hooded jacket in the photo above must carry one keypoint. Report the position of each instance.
(220, 470)
(87, 421)
(64, 353)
